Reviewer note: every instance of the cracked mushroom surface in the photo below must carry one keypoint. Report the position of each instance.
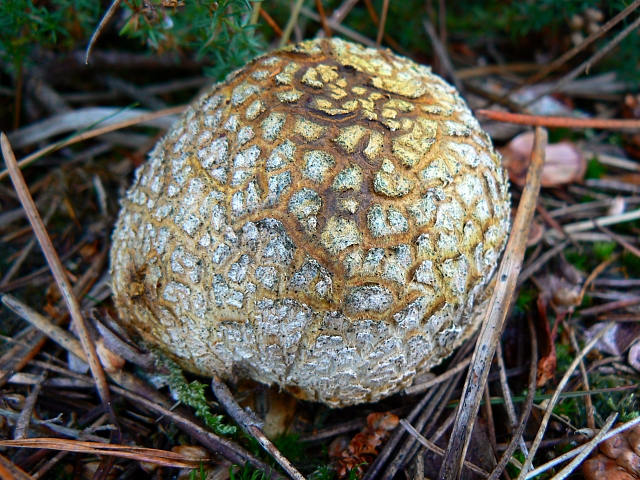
(328, 218)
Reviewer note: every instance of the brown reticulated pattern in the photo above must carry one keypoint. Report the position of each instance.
(327, 219)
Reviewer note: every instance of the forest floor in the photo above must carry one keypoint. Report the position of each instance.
(566, 369)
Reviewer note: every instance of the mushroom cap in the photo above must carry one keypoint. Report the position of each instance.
(328, 218)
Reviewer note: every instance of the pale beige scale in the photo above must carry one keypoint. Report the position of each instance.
(328, 219)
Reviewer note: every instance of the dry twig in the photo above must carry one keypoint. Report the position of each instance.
(54, 427)
(517, 438)
(556, 396)
(252, 425)
(26, 251)
(383, 21)
(568, 55)
(436, 449)
(323, 18)
(442, 54)
(336, 26)
(150, 455)
(22, 425)
(422, 387)
(576, 451)
(65, 289)
(588, 404)
(506, 276)
(272, 23)
(559, 122)
(588, 448)
(92, 134)
(607, 307)
(587, 64)
(9, 471)
(293, 19)
(103, 23)
(506, 393)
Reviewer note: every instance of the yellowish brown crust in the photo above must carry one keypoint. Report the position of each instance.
(325, 219)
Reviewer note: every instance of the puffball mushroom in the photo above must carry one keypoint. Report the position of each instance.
(328, 219)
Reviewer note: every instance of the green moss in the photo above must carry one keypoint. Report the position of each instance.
(577, 259)
(631, 263)
(594, 169)
(526, 298)
(603, 250)
(290, 446)
(564, 356)
(193, 395)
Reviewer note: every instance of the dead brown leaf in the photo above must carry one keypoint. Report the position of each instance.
(618, 458)
(547, 363)
(603, 468)
(631, 109)
(618, 339)
(564, 162)
(634, 357)
(364, 446)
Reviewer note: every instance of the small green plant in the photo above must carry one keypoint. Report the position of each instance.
(198, 473)
(353, 473)
(631, 264)
(512, 469)
(192, 394)
(568, 408)
(218, 31)
(246, 473)
(323, 472)
(26, 24)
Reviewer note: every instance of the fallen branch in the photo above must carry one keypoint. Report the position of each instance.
(251, 424)
(493, 322)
